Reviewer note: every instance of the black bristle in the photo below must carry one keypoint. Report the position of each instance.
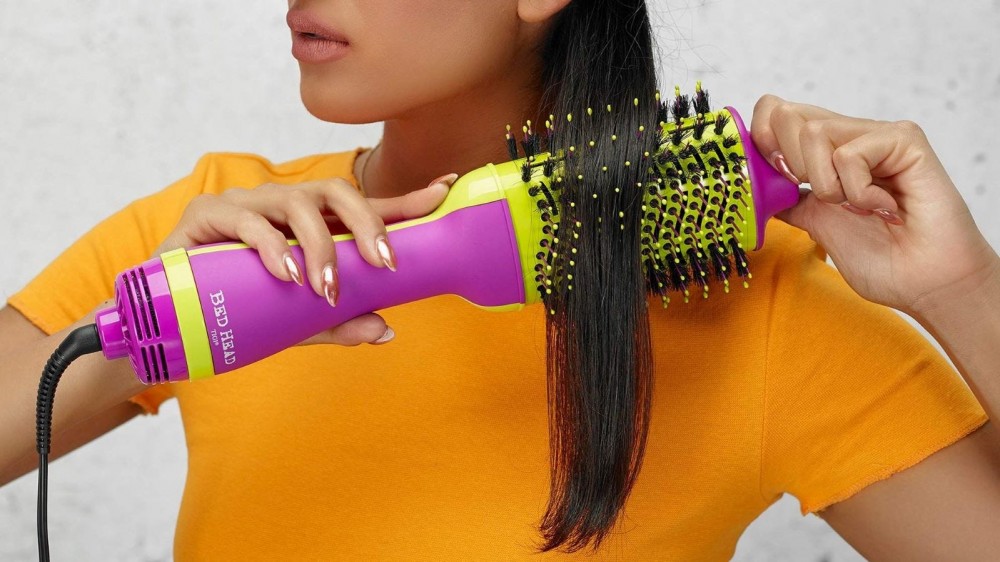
(721, 120)
(549, 198)
(720, 263)
(699, 128)
(701, 104)
(679, 274)
(698, 267)
(681, 107)
(739, 258)
(512, 147)
(526, 172)
(663, 112)
(548, 168)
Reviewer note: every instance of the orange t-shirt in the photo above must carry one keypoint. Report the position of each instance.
(435, 446)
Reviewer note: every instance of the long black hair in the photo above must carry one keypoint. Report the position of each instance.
(599, 53)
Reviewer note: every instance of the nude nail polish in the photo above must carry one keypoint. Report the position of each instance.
(778, 161)
(330, 284)
(385, 252)
(888, 216)
(292, 267)
(387, 336)
(855, 210)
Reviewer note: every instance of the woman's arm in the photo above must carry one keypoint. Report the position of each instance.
(946, 507)
(927, 258)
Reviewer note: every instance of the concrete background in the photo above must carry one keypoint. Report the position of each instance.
(105, 101)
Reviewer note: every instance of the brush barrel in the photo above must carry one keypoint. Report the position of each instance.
(195, 313)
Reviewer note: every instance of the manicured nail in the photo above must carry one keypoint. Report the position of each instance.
(388, 335)
(888, 216)
(292, 267)
(330, 284)
(855, 210)
(446, 179)
(778, 161)
(385, 252)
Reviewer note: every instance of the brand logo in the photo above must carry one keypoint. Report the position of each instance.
(223, 337)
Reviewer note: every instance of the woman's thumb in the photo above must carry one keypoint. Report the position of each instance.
(367, 328)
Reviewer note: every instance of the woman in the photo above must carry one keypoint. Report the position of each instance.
(770, 391)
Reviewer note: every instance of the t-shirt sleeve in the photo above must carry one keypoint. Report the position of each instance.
(82, 276)
(853, 392)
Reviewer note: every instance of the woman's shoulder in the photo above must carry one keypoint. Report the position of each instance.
(222, 170)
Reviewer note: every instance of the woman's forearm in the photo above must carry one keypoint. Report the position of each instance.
(90, 389)
(967, 325)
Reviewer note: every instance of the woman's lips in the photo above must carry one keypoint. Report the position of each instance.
(312, 41)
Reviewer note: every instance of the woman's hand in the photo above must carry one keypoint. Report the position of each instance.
(266, 216)
(909, 241)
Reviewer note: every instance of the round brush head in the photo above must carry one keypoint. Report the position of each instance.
(704, 196)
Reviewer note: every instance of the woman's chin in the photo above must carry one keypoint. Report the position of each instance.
(328, 105)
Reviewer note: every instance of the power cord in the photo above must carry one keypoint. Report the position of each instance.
(81, 341)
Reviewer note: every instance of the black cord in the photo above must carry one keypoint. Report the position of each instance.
(79, 342)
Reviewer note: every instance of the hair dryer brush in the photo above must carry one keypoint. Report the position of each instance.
(194, 313)
(505, 237)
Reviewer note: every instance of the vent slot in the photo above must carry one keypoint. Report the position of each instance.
(129, 305)
(163, 362)
(145, 361)
(149, 302)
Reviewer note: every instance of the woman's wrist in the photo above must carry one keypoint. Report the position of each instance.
(966, 322)
(976, 297)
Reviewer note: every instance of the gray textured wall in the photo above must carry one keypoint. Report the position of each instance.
(102, 102)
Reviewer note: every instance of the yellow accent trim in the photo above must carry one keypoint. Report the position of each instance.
(190, 319)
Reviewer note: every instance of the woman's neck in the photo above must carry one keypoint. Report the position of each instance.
(456, 135)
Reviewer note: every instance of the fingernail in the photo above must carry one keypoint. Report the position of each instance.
(388, 335)
(292, 267)
(855, 210)
(778, 161)
(330, 285)
(385, 252)
(888, 216)
(446, 179)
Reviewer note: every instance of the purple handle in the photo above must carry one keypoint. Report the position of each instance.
(250, 314)
(771, 191)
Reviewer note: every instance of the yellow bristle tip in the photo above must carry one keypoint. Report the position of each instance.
(609, 108)
(591, 143)
(590, 111)
(614, 137)
(569, 117)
